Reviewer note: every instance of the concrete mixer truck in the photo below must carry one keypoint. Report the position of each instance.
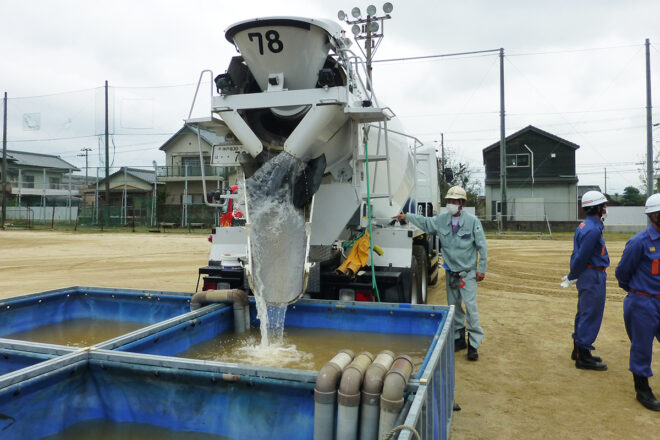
(297, 88)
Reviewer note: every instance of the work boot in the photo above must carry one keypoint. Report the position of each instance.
(644, 394)
(574, 354)
(459, 343)
(473, 354)
(584, 361)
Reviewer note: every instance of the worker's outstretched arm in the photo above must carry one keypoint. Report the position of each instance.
(629, 262)
(589, 243)
(426, 224)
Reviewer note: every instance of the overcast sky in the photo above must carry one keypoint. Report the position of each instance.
(573, 68)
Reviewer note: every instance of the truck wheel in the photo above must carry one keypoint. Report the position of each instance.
(414, 281)
(433, 258)
(434, 268)
(421, 276)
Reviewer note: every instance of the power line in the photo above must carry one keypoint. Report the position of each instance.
(435, 133)
(493, 51)
(55, 94)
(444, 55)
(53, 139)
(560, 51)
(404, 115)
(90, 136)
(161, 87)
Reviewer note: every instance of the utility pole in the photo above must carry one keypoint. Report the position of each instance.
(502, 143)
(605, 181)
(444, 178)
(85, 152)
(154, 198)
(4, 161)
(107, 150)
(649, 125)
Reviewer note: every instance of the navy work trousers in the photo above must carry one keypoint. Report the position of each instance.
(641, 314)
(590, 307)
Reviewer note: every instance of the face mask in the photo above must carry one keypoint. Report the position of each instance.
(453, 209)
(603, 214)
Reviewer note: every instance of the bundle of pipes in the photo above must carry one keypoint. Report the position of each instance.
(236, 297)
(370, 395)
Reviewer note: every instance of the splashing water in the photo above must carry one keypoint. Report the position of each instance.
(277, 241)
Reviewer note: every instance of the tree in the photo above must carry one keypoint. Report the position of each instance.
(642, 173)
(458, 173)
(632, 197)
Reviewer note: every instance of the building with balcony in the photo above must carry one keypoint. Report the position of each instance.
(37, 179)
(182, 174)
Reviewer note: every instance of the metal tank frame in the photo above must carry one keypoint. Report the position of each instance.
(429, 396)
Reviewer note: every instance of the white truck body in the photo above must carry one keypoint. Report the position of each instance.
(287, 93)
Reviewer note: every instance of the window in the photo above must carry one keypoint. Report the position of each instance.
(27, 181)
(54, 182)
(191, 161)
(517, 160)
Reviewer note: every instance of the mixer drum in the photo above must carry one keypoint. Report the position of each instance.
(294, 47)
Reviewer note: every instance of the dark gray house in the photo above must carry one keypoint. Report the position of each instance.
(541, 181)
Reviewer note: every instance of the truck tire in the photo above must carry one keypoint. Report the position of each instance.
(419, 295)
(414, 282)
(433, 256)
(434, 269)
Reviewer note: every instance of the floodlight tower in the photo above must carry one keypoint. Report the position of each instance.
(367, 29)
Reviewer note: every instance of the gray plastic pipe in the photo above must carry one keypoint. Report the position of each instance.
(348, 396)
(372, 387)
(236, 297)
(325, 394)
(391, 400)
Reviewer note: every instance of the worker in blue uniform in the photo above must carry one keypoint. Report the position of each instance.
(464, 251)
(638, 274)
(589, 261)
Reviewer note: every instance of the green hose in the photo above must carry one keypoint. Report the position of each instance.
(371, 237)
(346, 245)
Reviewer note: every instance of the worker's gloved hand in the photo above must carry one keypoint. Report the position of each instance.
(565, 282)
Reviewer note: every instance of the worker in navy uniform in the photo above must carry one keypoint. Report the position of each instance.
(588, 263)
(638, 273)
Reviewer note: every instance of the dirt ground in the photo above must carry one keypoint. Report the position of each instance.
(524, 384)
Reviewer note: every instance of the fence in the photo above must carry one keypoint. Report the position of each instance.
(42, 215)
(534, 216)
(138, 213)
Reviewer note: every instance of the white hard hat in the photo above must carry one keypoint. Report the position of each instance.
(456, 192)
(652, 204)
(593, 198)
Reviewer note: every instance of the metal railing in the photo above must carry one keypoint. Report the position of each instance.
(193, 171)
(40, 185)
(432, 404)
